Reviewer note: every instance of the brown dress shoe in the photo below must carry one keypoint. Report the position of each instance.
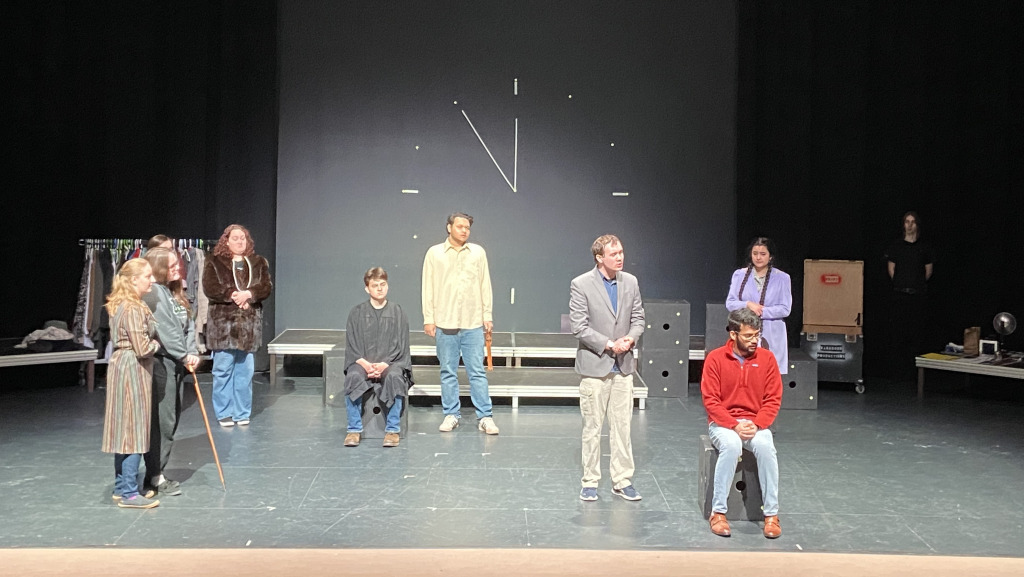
(772, 529)
(719, 525)
(390, 439)
(352, 440)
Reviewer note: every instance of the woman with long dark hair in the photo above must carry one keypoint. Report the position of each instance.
(767, 291)
(176, 331)
(236, 280)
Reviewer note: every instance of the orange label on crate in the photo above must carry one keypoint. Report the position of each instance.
(831, 278)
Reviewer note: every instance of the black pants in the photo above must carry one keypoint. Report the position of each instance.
(911, 331)
(167, 378)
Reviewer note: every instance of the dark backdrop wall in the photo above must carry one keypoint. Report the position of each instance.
(127, 119)
(610, 97)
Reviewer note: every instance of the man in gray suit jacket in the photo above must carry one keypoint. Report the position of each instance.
(607, 317)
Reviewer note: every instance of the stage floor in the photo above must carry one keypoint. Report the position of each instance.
(497, 563)
(874, 473)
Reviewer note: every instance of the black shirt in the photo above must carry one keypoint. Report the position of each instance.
(910, 259)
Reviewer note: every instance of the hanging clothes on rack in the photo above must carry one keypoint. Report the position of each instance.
(202, 303)
(80, 320)
(102, 259)
(102, 282)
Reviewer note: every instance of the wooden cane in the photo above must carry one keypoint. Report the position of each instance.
(488, 339)
(209, 433)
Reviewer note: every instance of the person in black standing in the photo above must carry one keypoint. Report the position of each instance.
(910, 261)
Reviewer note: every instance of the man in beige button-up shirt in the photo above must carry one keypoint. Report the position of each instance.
(457, 311)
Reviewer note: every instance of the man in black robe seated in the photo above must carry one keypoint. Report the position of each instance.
(377, 358)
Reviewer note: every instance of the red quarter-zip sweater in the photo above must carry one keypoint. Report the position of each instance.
(731, 391)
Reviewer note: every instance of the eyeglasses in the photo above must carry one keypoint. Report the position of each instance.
(749, 338)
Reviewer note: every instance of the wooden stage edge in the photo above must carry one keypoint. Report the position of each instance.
(116, 561)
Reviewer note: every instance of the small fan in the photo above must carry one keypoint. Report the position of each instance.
(1004, 324)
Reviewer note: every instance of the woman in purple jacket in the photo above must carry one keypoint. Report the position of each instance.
(765, 290)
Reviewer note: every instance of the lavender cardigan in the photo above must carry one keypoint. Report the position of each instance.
(778, 300)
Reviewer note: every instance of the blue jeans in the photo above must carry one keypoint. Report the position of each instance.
(232, 384)
(468, 343)
(355, 415)
(730, 448)
(126, 474)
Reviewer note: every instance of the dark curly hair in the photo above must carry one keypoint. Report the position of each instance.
(222, 245)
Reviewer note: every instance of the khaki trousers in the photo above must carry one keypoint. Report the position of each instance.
(611, 395)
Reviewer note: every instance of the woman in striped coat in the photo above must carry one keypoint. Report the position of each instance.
(126, 421)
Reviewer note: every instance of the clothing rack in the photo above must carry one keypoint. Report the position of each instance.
(103, 256)
(131, 243)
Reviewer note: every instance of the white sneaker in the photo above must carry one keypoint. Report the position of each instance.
(487, 425)
(449, 423)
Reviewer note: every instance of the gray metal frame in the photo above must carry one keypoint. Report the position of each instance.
(87, 356)
(512, 381)
(967, 366)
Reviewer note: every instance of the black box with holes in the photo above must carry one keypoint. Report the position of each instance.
(666, 372)
(744, 500)
(800, 384)
(664, 354)
(667, 324)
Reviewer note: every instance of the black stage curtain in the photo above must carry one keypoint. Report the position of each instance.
(131, 119)
(852, 113)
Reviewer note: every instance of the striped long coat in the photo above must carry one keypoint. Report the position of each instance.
(129, 381)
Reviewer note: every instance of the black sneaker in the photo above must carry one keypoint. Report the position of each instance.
(169, 487)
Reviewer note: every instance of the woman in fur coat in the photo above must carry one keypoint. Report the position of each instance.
(237, 281)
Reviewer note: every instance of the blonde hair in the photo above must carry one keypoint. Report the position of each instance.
(123, 293)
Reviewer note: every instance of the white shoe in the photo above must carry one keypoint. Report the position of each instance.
(487, 425)
(448, 424)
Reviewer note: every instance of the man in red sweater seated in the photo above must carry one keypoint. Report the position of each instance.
(742, 393)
